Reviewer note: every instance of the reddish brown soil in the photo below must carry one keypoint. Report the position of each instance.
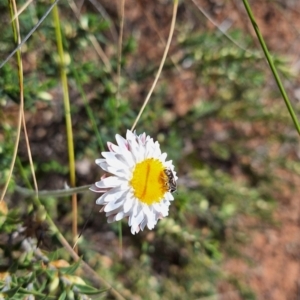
(275, 250)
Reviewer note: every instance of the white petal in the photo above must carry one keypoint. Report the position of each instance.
(99, 160)
(137, 208)
(109, 196)
(112, 205)
(126, 159)
(115, 162)
(113, 148)
(136, 221)
(134, 211)
(135, 230)
(169, 196)
(103, 164)
(95, 189)
(130, 135)
(115, 194)
(169, 164)
(111, 181)
(114, 201)
(139, 218)
(163, 157)
(157, 151)
(100, 200)
(123, 144)
(124, 173)
(119, 215)
(128, 203)
(156, 207)
(141, 152)
(134, 149)
(143, 224)
(147, 211)
(149, 152)
(106, 154)
(151, 223)
(142, 138)
(164, 210)
(113, 212)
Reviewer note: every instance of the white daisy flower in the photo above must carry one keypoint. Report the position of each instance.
(141, 183)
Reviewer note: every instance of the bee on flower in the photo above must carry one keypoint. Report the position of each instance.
(141, 183)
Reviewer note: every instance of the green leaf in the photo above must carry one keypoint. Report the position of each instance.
(10, 293)
(88, 290)
(63, 296)
(71, 269)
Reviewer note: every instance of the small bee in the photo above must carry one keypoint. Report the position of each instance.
(171, 182)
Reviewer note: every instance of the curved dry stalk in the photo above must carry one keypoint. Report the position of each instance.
(85, 266)
(161, 64)
(21, 10)
(16, 17)
(16, 29)
(20, 66)
(30, 156)
(100, 52)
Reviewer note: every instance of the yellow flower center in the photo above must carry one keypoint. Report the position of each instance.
(149, 181)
